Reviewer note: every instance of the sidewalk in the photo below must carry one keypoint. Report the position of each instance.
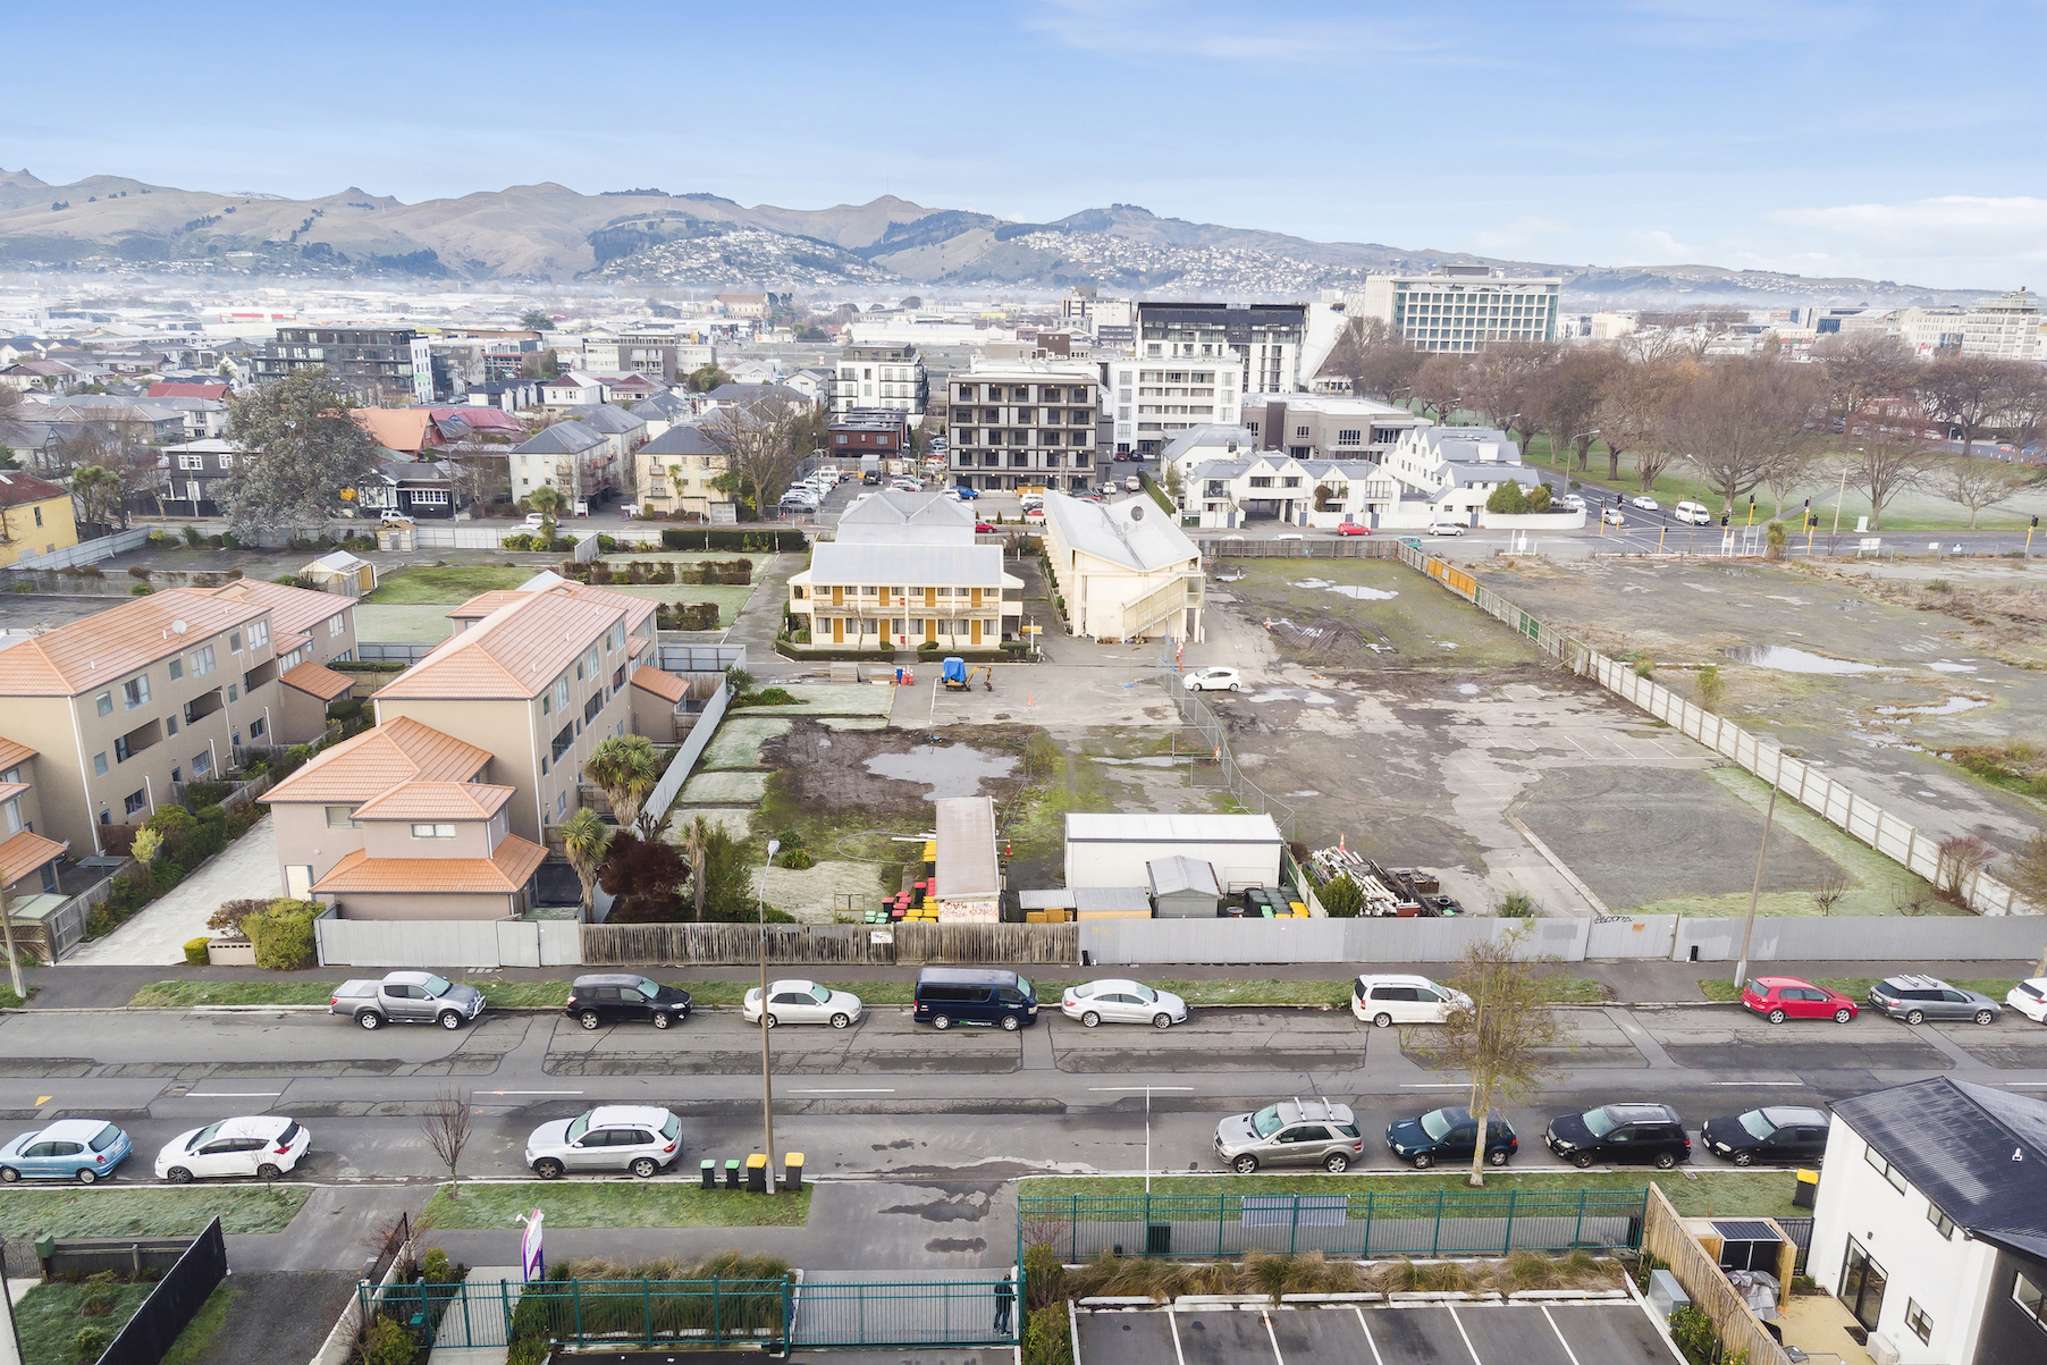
(246, 868)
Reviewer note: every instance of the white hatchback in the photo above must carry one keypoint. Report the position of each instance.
(802, 1002)
(265, 1145)
(1213, 680)
(1446, 528)
(1643, 501)
(2029, 998)
(1386, 999)
(1122, 1002)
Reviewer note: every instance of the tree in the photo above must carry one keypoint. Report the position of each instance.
(1979, 484)
(586, 839)
(704, 378)
(1501, 383)
(1341, 897)
(1891, 458)
(446, 1124)
(1507, 499)
(546, 500)
(1965, 391)
(299, 451)
(2026, 873)
(626, 769)
(1376, 362)
(695, 842)
(2022, 407)
(1499, 1035)
(536, 320)
(1565, 398)
(1740, 419)
(1439, 384)
(762, 442)
(1860, 368)
(97, 489)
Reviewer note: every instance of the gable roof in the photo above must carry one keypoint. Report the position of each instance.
(317, 680)
(17, 489)
(509, 867)
(427, 800)
(612, 421)
(13, 751)
(24, 853)
(666, 406)
(916, 565)
(1134, 532)
(684, 438)
(521, 646)
(563, 438)
(1977, 1152)
(1208, 434)
(668, 686)
(293, 611)
(189, 388)
(98, 650)
(399, 751)
(906, 509)
(395, 428)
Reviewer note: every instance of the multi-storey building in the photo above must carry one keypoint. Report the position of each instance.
(378, 363)
(1024, 425)
(28, 856)
(1330, 425)
(1926, 332)
(904, 571)
(35, 516)
(1266, 338)
(2004, 328)
(881, 375)
(1125, 570)
(677, 472)
(856, 433)
(573, 458)
(1153, 400)
(1461, 308)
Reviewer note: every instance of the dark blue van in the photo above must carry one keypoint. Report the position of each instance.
(974, 995)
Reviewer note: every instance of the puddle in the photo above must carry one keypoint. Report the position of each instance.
(1468, 690)
(1299, 694)
(1943, 666)
(944, 770)
(1952, 706)
(1350, 590)
(1448, 644)
(1789, 659)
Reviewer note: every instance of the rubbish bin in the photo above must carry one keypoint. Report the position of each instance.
(1806, 1190)
(732, 1173)
(708, 1171)
(1158, 1239)
(792, 1170)
(757, 1173)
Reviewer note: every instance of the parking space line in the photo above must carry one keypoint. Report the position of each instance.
(1366, 1328)
(1266, 1315)
(1561, 1340)
(230, 1094)
(1458, 1323)
(1173, 1321)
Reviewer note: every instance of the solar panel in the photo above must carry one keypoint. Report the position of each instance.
(1745, 1230)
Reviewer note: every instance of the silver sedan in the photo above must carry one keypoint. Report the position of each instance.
(1122, 1002)
(802, 1002)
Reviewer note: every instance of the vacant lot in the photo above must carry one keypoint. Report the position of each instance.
(445, 583)
(410, 604)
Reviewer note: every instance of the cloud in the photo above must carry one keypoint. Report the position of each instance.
(1659, 246)
(1161, 28)
(1988, 240)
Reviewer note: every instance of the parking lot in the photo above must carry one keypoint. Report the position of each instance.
(1344, 1334)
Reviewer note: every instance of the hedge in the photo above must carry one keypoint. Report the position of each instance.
(763, 540)
(283, 935)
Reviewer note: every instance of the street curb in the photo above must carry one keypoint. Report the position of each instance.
(734, 1009)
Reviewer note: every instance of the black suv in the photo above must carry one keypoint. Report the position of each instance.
(625, 999)
(1632, 1134)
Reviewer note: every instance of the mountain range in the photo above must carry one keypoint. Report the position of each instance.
(550, 233)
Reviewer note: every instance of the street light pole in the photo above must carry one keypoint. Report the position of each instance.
(767, 1073)
(1748, 928)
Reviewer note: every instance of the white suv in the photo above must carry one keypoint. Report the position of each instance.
(612, 1137)
(1385, 1000)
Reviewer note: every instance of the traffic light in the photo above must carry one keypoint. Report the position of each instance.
(2036, 521)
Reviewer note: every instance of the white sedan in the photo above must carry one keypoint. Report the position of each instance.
(1122, 1002)
(1213, 680)
(1612, 516)
(264, 1145)
(802, 1002)
(1447, 528)
(1643, 501)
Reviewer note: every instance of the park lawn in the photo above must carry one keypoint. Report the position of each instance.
(444, 584)
(1749, 1193)
(668, 1203)
(1856, 987)
(104, 1211)
(195, 1343)
(50, 1316)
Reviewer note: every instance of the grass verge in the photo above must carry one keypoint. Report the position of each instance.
(174, 994)
(196, 1341)
(443, 584)
(1754, 1194)
(1723, 991)
(50, 1316)
(9, 1000)
(615, 1204)
(104, 1212)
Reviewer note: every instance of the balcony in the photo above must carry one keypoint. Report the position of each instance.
(204, 705)
(257, 676)
(142, 738)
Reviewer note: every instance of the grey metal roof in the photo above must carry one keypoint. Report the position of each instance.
(665, 406)
(1462, 443)
(1977, 1152)
(967, 867)
(1470, 471)
(1207, 434)
(906, 509)
(879, 564)
(604, 417)
(684, 438)
(1136, 532)
(563, 438)
(1096, 899)
(1181, 873)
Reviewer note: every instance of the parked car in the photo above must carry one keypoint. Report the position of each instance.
(982, 528)
(1291, 1133)
(1777, 998)
(262, 1145)
(534, 521)
(2029, 998)
(1395, 999)
(1774, 1133)
(945, 996)
(1213, 680)
(84, 1150)
(1611, 516)
(1290, 535)
(1132, 484)
(1448, 1135)
(1351, 528)
(625, 999)
(1692, 514)
(1916, 999)
(967, 493)
(612, 1137)
(802, 1002)
(406, 998)
(1571, 502)
(1116, 1001)
(1446, 528)
(1643, 501)
(1635, 1134)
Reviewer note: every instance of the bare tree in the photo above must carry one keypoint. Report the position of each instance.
(1963, 390)
(1891, 459)
(1980, 484)
(1376, 362)
(1861, 368)
(2022, 404)
(1498, 1038)
(1439, 384)
(1740, 419)
(1501, 381)
(2026, 874)
(1960, 858)
(445, 1122)
(1633, 414)
(762, 442)
(1833, 885)
(1565, 396)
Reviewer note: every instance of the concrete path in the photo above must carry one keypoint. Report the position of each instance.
(245, 869)
(497, 1289)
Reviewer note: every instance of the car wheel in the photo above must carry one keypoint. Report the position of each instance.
(1162, 1021)
(178, 1175)
(1244, 1164)
(1496, 1157)
(1985, 1017)
(1582, 1160)
(1744, 1158)
(1915, 1016)
(663, 1020)
(1665, 1160)
(772, 1020)
(8, 1175)
(841, 1020)
(269, 1170)
(1422, 1161)
(450, 1020)
(1336, 1163)
(1775, 1016)
(588, 1019)
(1092, 1019)
(1010, 1023)
(369, 1019)
(87, 1175)
(1236, 687)
(644, 1167)
(941, 1022)
(547, 1168)
(1843, 1016)
(1382, 1020)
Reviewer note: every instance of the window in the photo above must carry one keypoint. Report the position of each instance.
(1916, 1319)
(334, 626)
(202, 661)
(177, 669)
(259, 634)
(258, 727)
(122, 753)
(234, 641)
(195, 463)
(99, 764)
(1301, 432)
(341, 817)
(227, 461)
(2030, 1298)
(433, 831)
(234, 691)
(561, 694)
(135, 691)
(134, 802)
(1942, 1224)
(170, 725)
(202, 764)
(1888, 1171)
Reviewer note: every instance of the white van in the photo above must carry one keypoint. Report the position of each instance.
(1389, 999)
(1692, 513)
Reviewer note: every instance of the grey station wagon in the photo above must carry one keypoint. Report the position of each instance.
(1291, 1133)
(1915, 999)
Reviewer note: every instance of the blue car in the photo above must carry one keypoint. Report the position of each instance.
(966, 494)
(84, 1150)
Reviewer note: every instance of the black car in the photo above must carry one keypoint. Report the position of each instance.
(1449, 1135)
(1632, 1134)
(625, 999)
(1775, 1133)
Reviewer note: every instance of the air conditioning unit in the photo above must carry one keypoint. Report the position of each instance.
(1882, 1350)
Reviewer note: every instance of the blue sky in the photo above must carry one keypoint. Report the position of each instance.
(1821, 136)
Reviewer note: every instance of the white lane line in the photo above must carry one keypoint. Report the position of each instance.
(1367, 1329)
(1173, 1321)
(228, 1094)
(1561, 1341)
(1272, 1336)
(831, 1091)
(2027, 1085)
(1467, 1338)
(1435, 1085)
(526, 1092)
(1738, 1085)
(1140, 1089)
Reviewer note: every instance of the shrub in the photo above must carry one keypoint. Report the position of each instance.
(139, 572)
(1507, 499)
(147, 845)
(232, 913)
(1693, 1332)
(929, 648)
(192, 536)
(195, 951)
(90, 1344)
(1047, 1338)
(1044, 1276)
(795, 858)
(1712, 687)
(436, 1268)
(141, 590)
(1342, 897)
(385, 1342)
(283, 935)
(1517, 905)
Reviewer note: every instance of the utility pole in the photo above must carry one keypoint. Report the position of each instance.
(767, 1072)
(1755, 890)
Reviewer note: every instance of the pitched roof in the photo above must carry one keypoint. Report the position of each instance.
(293, 611)
(189, 388)
(96, 650)
(399, 751)
(684, 438)
(906, 509)
(398, 428)
(317, 680)
(563, 438)
(665, 406)
(1135, 532)
(938, 566)
(608, 419)
(13, 751)
(520, 647)
(1208, 434)
(24, 853)
(1977, 1153)
(665, 685)
(436, 801)
(17, 488)
(483, 604)
(509, 867)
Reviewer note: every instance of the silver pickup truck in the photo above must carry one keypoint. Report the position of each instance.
(407, 998)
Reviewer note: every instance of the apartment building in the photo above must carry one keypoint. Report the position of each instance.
(1152, 401)
(1460, 309)
(1266, 338)
(886, 375)
(657, 355)
(1331, 425)
(676, 473)
(28, 857)
(573, 458)
(36, 516)
(2004, 328)
(1024, 425)
(309, 631)
(886, 595)
(856, 433)
(1125, 571)
(537, 678)
(377, 363)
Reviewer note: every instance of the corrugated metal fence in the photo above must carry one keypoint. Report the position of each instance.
(825, 944)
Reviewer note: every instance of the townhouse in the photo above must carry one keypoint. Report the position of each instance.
(570, 457)
(310, 630)
(1124, 570)
(192, 477)
(28, 857)
(1449, 472)
(36, 516)
(676, 473)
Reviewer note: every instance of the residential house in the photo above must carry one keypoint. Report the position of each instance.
(41, 376)
(28, 857)
(1447, 473)
(1330, 425)
(1931, 1222)
(1236, 491)
(511, 393)
(215, 389)
(662, 411)
(415, 488)
(858, 433)
(570, 457)
(1125, 570)
(676, 473)
(738, 395)
(193, 477)
(628, 389)
(572, 389)
(815, 383)
(1024, 425)
(310, 629)
(623, 432)
(36, 516)
(886, 595)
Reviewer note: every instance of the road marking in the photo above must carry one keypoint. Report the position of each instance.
(1272, 1336)
(1435, 1085)
(42, 1100)
(1140, 1089)
(1561, 1340)
(526, 1092)
(1744, 1084)
(1172, 1321)
(2015, 1085)
(839, 1092)
(1379, 1359)
(231, 1094)
(1467, 1338)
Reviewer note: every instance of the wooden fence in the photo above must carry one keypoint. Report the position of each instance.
(1740, 1330)
(619, 945)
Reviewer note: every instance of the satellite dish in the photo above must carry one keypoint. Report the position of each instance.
(178, 627)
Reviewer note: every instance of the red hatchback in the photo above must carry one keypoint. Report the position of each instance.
(982, 528)
(1778, 998)
(1352, 528)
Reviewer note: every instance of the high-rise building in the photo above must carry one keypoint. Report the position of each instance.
(1461, 308)
(1024, 424)
(881, 375)
(1266, 338)
(379, 364)
(2004, 328)
(1152, 401)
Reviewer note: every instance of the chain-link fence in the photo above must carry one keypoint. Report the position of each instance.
(1199, 716)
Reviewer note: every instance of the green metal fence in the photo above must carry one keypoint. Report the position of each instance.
(970, 1308)
(1354, 1226)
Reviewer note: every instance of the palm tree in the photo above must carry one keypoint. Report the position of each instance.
(587, 841)
(695, 843)
(546, 500)
(626, 769)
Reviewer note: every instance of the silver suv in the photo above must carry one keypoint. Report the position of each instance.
(1916, 999)
(1291, 1133)
(611, 1137)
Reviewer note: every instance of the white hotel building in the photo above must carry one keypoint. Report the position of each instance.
(1460, 309)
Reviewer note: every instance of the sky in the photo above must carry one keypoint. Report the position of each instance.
(1880, 139)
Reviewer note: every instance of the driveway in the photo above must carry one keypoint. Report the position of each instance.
(245, 869)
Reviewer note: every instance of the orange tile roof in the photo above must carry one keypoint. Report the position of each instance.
(317, 679)
(402, 429)
(484, 603)
(666, 686)
(505, 871)
(293, 611)
(8, 789)
(436, 801)
(520, 648)
(26, 852)
(377, 760)
(13, 751)
(97, 650)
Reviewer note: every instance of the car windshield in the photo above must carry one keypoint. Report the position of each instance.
(2028, 988)
(1144, 993)
(199, 1139)
(1266, 1121)
(821, 994)
(1757, 1125)
(1598, 1122)
(1436, 1123)
(577, 1127)
(436, 986)
(648, 989)
(1023, 984)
